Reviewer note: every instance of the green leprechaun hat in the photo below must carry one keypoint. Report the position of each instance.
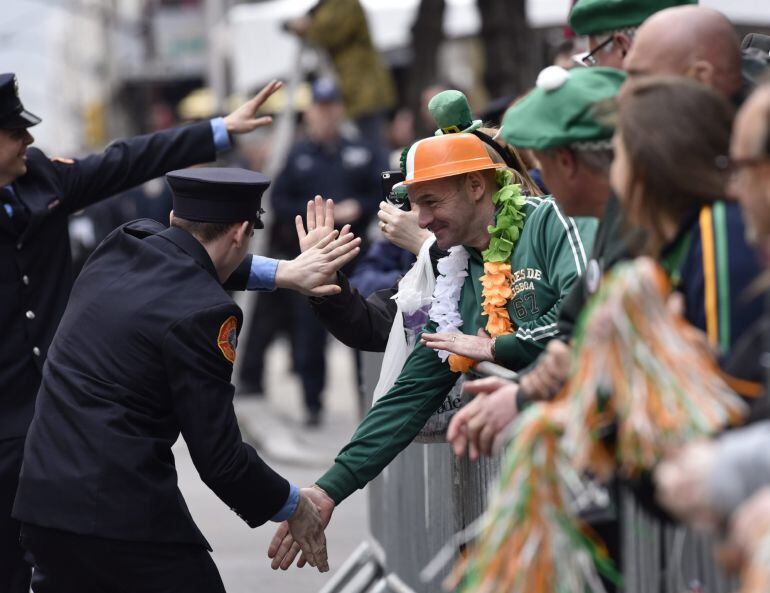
(592, 17)
(452, 113)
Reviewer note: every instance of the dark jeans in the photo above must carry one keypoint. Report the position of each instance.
(288, 313)
(372, 129)
(69, 563)
(14, 571)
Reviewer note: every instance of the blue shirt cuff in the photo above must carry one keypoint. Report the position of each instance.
(289, 507)
(221, 137)
(262, 274)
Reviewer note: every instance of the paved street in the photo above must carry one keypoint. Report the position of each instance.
(274, 424)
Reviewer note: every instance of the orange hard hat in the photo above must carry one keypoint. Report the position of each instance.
(445, 156)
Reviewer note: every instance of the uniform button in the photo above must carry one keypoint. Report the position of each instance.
(19, 246)
(30, 314)
(36, 351)
(25, 280)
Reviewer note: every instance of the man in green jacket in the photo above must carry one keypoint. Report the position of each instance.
(562, 122)
(459, 192)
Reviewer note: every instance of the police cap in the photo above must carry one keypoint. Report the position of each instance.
(12, 112)
(325, 90)
(220, 195)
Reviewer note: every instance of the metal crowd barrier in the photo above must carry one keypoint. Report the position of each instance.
(664, 558)
(427, 495)
(421, 500)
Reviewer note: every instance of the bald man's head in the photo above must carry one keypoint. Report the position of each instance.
(750, 153)
(692, 41)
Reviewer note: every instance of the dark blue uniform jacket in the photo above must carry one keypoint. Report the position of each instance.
(344, 170)
(35, 265)
(143, 353)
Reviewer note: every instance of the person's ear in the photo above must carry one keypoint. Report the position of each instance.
(567, 161)
(702, 71)
(242, 233)
(475, 185)
(622, 42)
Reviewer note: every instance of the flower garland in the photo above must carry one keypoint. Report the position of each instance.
(497, 277)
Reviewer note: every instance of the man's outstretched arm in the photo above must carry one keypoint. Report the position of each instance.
(386, 430)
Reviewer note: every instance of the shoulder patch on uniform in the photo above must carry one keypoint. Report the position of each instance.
(63, 160)
(227, 339)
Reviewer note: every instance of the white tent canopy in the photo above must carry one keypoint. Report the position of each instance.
(260, 50)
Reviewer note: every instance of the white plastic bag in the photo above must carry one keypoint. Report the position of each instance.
(414, 294)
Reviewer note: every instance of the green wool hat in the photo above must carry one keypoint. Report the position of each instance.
(561, 110)
(452, 113)
(591, 17)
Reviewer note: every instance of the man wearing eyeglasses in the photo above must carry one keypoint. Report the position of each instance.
(610, 26)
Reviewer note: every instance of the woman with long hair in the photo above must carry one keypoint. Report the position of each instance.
(670, 174)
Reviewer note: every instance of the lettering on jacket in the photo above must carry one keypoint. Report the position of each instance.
(525, 306)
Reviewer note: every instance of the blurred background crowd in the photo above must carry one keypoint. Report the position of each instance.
(358, 77)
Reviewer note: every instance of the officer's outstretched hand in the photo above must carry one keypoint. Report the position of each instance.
(288, 539)
(313, 272)
(244, 119)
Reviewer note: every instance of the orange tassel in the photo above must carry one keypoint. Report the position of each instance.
(460, 364)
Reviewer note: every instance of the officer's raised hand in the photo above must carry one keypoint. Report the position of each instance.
(244, 119)
(285, 546)
(313, 272)
(306, 527)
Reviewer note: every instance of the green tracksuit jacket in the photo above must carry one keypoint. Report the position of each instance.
(549, 256)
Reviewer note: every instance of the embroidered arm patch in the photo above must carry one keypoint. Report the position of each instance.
(227, 339)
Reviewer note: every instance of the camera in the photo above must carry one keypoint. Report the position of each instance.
(393, 193)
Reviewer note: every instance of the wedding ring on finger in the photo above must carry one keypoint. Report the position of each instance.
(454, 338)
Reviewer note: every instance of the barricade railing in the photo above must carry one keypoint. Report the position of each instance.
(427, 495)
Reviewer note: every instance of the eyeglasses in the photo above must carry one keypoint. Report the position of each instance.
(733, 167)
(725, 163)
(589, 58)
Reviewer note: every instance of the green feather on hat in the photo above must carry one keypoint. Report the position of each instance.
(452, 113)
(591, 17)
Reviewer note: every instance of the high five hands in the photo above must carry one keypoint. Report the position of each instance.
(313, 272)
(289, 539)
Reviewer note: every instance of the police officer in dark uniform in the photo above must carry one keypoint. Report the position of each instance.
(37, 195)
(347, 170)
(144, 352)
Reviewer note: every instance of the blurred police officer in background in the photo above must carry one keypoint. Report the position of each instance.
(144, 352)
(346, 170)
(37, 195)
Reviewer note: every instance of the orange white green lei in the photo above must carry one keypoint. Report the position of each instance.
(497, 277)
